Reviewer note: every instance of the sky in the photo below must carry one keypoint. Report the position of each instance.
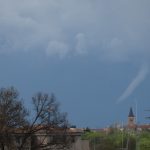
(92, 54)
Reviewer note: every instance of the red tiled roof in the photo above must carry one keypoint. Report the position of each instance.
(144, 126)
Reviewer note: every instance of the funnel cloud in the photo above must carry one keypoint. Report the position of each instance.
(135, 83)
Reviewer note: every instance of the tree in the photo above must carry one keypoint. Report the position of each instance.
(18, 130)
(12, 116)
(115, 140)
(47, 119)
(144, 141)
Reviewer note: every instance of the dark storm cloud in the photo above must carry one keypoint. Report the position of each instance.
(118, 30)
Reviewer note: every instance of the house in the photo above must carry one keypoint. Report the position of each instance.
(45, 138)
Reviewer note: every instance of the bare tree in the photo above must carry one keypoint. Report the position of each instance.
(48, 127)
(48, 121)
(12, 115)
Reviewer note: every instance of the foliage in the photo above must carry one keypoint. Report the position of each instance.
(118, 139)
(111, 141)
(144, 142)
(91, 135)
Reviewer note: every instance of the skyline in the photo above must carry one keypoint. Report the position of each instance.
(93, 55)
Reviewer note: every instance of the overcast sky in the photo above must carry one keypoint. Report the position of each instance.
(93, 54)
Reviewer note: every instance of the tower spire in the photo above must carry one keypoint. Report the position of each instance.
(131, 113)
(131, 119)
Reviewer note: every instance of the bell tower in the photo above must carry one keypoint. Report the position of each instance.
(131, 119)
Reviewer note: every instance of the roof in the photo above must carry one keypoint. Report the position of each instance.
(144, 126)
(131, 113)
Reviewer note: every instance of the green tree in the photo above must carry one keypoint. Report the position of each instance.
(144, 141)
(112, 141)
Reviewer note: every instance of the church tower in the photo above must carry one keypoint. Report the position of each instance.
(131, 119)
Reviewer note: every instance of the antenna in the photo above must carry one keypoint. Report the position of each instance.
(136, 121)
(136, 111)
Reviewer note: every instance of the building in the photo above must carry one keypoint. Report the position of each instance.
(46, 138)
(131, 120)
(131, 124)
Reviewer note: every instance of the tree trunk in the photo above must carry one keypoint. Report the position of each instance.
(2, 146)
